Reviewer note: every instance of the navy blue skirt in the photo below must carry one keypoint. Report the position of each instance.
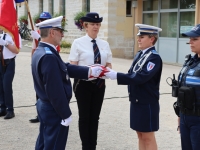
(144, 117)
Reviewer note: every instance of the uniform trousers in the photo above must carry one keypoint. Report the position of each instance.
(190, 132)
(6, 78)
(52, 135)
(89, 100)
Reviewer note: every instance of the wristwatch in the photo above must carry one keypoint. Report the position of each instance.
(6, 44)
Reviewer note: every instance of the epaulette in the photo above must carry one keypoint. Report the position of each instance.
(188, 57)
(188, 60)
(47, 50)
(154, 52)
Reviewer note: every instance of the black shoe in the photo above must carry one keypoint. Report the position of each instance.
(2, 113)
(9, 115)
(36, 120)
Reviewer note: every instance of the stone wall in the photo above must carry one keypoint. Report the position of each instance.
(72, 7)
(46, 6)
(56, 6)
(101, 7)
(120, 32)
(116, 28)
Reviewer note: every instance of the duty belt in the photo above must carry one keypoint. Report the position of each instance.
(186, 111)
(92, 81)
(7, 61)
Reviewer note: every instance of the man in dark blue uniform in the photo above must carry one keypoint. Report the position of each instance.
(35, 35)
(53, 86)
(143, 80)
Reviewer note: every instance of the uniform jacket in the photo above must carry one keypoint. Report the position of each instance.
(143, 85)
(51, 78)
(190, 76)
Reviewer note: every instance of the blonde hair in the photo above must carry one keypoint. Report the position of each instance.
(85, 24)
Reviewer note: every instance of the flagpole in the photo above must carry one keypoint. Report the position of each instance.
(29, 14)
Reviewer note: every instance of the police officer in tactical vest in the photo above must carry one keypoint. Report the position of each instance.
(188, 100)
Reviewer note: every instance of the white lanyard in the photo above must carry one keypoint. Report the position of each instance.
(141, 62)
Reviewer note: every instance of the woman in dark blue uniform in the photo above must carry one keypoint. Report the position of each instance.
(143, 80)
(189, 95)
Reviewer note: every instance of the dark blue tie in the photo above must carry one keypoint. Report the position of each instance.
(97, 55)
(135, 61)
(97, 60)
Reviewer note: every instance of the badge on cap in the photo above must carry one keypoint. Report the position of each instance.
(95, 16)
(150, 66)
(195, 28)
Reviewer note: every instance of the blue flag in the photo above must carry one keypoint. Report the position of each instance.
(19, 1)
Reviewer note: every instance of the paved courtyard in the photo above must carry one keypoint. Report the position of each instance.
(114, 131)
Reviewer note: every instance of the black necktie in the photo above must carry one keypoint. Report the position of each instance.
(139, 55)
(97, 55)
(97, 60)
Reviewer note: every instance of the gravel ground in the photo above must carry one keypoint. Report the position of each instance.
(114, 131)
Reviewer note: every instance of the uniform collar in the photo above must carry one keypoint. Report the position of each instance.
(49, 45)
(147, 49)
(196, 58)
(89, 38)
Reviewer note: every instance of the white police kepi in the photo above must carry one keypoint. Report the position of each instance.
(145, 29)
(51, 23)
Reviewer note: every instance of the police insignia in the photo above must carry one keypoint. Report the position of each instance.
(67, 77)
(150, 66)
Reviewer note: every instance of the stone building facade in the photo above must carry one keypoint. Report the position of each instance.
(116, 27)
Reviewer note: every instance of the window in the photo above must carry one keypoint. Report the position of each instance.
(62, 7)
(187, 4)
(169, 4)
(174, 19)
(150, 18)
(128, 8)
(86, 5)
(186, 22)
(150, 5)
(168, 22)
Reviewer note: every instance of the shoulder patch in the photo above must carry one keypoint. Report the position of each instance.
(47, 50)
(154, 52)
(150, 66)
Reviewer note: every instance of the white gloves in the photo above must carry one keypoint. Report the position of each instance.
(104, 77)
(35, 35)
(67, 121)
(96, 71)
(111, 74)
(3, 42)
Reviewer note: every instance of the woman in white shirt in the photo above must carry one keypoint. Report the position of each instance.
(89, 50)
(7, 73)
